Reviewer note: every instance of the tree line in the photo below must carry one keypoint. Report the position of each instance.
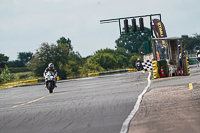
(70, 63)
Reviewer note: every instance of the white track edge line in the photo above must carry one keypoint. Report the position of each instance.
(126, 123)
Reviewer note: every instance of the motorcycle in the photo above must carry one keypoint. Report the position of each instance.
(198, 60)
(50, 80)
(138, 65)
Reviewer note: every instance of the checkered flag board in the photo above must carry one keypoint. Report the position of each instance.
(147, 65)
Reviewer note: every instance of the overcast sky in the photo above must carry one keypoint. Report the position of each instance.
(26, 24)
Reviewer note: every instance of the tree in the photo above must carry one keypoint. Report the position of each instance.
(56, 54)
(190, 42)
(105, 58)
(133, 42)
(123, 57)
(25, 57)
(75, 61)
(110, 59)
(133, 60)
(74, 64)
(15, 63)
(64, 41)
(122, 61)
(3, 60)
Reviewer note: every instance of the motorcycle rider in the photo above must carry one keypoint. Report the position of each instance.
(198, 57)
(51, 68)
(138, 64)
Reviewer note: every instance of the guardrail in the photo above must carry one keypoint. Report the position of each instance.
(35, 81)
(111, 72)
(26, 82)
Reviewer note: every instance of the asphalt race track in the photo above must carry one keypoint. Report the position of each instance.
(88, 105)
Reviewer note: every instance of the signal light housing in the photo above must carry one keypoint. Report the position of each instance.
(134, 27)
(141, 24)
(126, 28)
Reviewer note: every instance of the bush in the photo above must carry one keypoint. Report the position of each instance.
(6, 75)
(24, 75)
(133, 60)
(104, 60)
(19, 69)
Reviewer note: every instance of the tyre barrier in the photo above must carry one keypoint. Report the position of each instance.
(132, 70)
(111, 72)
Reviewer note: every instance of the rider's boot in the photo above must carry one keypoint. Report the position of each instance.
(45, 86)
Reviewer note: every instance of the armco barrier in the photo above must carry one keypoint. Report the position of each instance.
(112, 72)
(93, 74)
(32, 81)
(42, 80)
(132, 70)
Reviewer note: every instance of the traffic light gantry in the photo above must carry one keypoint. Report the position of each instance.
(134, 29)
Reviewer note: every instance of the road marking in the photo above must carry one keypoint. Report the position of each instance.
(190, 86)
(38, 99)
(31, 101)
(126, 123)
(55, 95)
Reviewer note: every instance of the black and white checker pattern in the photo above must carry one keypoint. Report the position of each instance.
(147, 65)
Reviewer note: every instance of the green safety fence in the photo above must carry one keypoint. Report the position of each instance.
(193, 61)
(147, 47)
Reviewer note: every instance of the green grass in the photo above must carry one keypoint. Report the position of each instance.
(21, 76)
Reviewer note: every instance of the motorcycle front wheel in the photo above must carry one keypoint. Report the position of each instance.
(50, 87)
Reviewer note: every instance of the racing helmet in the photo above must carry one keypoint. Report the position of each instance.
(51, 65)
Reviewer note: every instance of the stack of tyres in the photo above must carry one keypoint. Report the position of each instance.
(187, 66)
(155, 70)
